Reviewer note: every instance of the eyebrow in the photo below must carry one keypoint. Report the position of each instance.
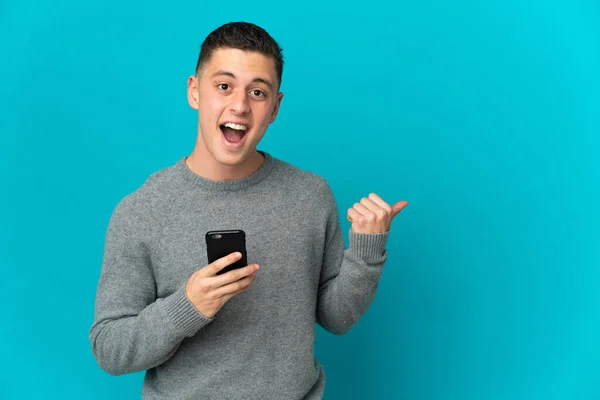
(255, 80)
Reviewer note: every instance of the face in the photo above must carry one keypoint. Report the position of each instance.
(236, 95)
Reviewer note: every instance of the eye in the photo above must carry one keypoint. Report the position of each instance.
(223, 86)
(258, 93)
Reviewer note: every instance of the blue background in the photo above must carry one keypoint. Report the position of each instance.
(483, 115)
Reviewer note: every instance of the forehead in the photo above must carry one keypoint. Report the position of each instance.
(243, 64)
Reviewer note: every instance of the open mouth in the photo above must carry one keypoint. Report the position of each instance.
(233, 134)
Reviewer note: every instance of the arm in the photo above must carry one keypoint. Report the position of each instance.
(132, 329)
(349, 277)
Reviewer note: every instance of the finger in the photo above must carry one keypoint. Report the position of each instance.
(396, 208)
(353, 215)
(363, 210)
(234, 288)
(234, 275)
(228, 297)
(371, 205)
(379, 201)
(214, 267)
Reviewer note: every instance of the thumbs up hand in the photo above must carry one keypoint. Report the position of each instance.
(373, 215)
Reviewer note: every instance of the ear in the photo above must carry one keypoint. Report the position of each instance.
(276, 107)
(192, 91)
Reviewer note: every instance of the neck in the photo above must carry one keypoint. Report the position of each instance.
(205, 165)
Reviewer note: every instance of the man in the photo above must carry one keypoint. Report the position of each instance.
(248, 333)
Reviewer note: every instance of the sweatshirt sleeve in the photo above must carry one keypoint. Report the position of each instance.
(133, 330)
(349, 277)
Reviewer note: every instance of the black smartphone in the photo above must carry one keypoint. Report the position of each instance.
(221, 243)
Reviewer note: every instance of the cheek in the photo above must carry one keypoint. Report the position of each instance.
(263, 114)
(210, 110)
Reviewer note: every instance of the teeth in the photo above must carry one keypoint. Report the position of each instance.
(235, 126)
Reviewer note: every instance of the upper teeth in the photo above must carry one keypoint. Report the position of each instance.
(236, 126)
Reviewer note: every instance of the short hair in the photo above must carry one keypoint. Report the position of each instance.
(243, 36)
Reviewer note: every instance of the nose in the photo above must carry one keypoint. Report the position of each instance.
(239, 103)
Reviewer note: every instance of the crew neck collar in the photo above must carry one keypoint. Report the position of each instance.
(226, 185)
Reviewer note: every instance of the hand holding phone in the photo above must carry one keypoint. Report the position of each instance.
(225, 276)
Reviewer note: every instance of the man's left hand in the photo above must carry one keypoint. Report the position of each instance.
(373, 215)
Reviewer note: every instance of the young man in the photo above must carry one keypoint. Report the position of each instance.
(248, 333)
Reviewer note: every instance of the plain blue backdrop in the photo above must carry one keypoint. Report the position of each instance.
(483, 115)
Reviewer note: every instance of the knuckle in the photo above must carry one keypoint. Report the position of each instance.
(203, 287)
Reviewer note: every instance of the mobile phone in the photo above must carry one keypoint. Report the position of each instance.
(224, 242)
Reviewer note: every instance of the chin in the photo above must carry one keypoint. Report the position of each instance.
(231, 158)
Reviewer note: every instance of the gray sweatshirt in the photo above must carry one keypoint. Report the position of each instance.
(260, 345)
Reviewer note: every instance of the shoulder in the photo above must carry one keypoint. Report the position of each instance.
(144, 207)
(301, 180)
(299, 176)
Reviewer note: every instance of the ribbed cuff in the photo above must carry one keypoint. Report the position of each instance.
(369, 247)
(186, 318)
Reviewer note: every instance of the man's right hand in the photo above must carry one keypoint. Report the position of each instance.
(208, 291)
